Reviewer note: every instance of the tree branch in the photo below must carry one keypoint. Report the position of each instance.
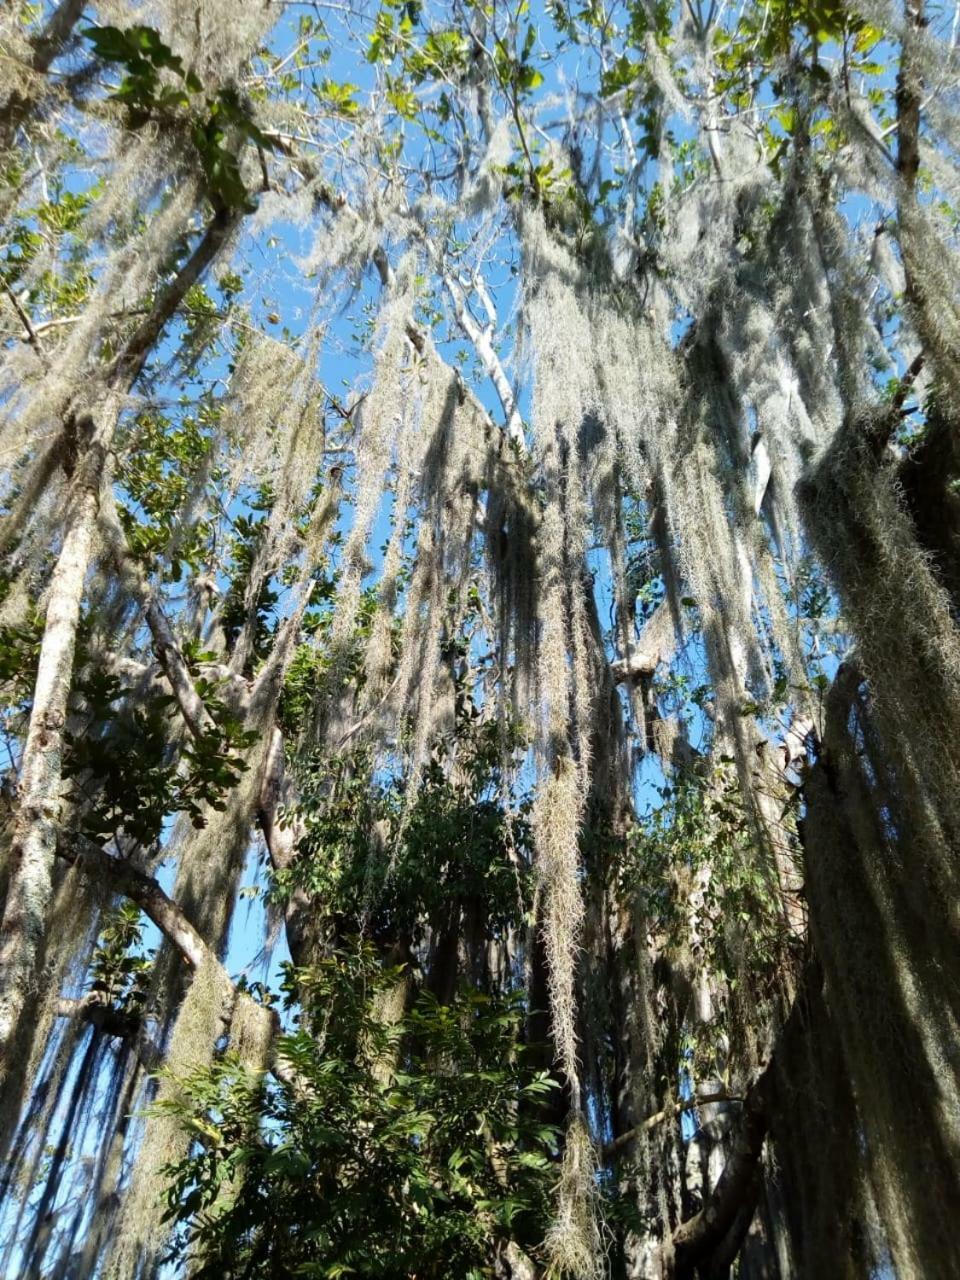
(908, 98)
(694, 1241)
(668, 1113)
(95, 1008)
(142, 889)
(132, 357)
(55, 35)
(165, 646)
(32, 336)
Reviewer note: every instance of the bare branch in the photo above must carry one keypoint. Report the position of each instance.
(27, 323)
(142, 889)
(668, 1113)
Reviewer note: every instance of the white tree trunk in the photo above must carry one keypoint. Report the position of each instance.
(33, 846)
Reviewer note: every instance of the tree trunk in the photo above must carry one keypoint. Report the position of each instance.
(33, 846)
(91, 425)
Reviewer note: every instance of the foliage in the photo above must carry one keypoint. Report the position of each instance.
(397, 1148)
(120, 967)
(124, 778)
(369, 852)
(217, 124)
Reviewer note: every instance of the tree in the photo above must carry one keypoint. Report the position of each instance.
(480, 488)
